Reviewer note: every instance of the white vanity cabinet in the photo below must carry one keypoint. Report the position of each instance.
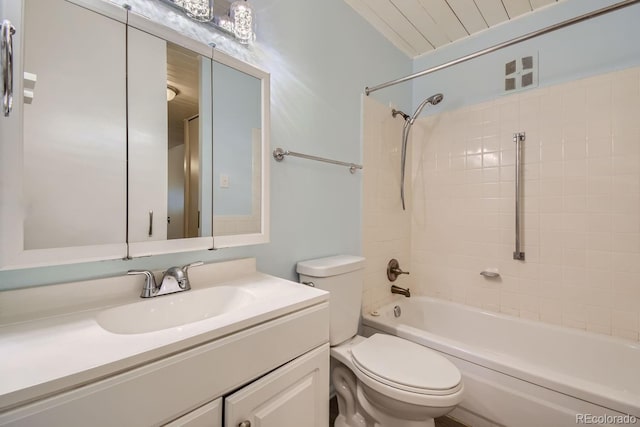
(63, 144)
(209, 415)
(291, 396)
(273, 374)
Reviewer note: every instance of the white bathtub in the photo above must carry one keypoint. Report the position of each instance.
(522, 373)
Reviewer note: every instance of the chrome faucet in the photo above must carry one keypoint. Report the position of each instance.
(402, 291)
(175, 279)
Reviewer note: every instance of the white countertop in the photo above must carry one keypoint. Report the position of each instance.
(47, 355)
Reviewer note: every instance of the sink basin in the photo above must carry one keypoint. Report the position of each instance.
(169, 311)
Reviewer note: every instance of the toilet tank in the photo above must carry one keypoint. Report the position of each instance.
(343, 277)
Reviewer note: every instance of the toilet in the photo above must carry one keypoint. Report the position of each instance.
(383, 380)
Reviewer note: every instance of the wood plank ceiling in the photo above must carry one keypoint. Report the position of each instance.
(419, 26)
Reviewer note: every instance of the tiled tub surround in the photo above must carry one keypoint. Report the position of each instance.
(581, 204)
(386, 228)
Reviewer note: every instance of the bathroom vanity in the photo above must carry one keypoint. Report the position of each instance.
(254, 352)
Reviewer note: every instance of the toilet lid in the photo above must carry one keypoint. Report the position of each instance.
(405, 365)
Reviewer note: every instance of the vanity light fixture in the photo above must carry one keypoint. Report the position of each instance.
(244, 23)
(235, 19)
(172, 92)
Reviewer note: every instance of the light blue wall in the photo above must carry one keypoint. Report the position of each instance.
(602, 44)
(321, 55)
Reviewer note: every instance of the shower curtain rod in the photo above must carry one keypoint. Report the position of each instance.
(568, 22)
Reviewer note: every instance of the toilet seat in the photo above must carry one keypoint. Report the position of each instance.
(405, 367)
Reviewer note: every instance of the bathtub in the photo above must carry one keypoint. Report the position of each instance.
(519, 372)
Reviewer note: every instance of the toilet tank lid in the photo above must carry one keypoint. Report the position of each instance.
(330, 266)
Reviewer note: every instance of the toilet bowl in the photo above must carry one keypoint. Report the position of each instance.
(383, 380)
(389, 381)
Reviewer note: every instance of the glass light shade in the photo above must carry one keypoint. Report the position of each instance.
(198, 10)
(225, 23)
(172, 92)
(244, 24)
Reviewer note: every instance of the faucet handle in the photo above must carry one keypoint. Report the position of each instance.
(394, 270)
(193, 264)
(185, 269)
(150, 285)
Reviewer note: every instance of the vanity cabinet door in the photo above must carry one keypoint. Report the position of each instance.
(294, 395)
(209, 415)
(63, 146)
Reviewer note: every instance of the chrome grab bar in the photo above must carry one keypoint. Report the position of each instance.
(279, 154)
(8, 30)
(518, 138)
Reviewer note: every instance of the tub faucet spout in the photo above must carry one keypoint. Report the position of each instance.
(402, 291)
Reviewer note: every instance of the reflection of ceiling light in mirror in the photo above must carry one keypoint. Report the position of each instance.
(244, 24)
(171, 93)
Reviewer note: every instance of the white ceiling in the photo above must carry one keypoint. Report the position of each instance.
(420, 26)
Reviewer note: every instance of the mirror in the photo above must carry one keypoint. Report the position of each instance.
(73, 129)
(99, 164)
(241, 101)
(237, 135)
(189, 192)
(198, 167)
(170, 141)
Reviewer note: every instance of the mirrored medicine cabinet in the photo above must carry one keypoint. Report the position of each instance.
(131, 141)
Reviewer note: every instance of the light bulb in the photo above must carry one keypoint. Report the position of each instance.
(172, 92)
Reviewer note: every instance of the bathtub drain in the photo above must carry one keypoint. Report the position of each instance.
(397, 311)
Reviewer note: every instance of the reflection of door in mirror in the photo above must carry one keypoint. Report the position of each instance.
(237, 159)
(184, 182)
(183, 79)
(169, 193)
(74, 137)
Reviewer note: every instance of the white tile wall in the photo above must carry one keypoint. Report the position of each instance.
(581, 203)
(386, 230)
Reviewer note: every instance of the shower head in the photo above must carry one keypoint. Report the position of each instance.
(433, 100)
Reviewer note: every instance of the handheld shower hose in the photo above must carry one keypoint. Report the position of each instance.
(408, 122)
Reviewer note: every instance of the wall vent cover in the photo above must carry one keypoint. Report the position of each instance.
(521, 73)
